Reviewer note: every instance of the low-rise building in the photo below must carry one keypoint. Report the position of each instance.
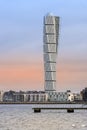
(40, 96)
(19, 96)
(8, 96)
(74, 97)
(1, 96)
(70, 97)
(30, 96)
(36, 96)
(84, 94)
(77, 97)
(57, 96)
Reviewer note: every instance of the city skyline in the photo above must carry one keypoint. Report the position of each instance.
(21, 44)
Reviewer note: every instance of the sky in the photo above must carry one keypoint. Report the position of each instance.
(21, 44)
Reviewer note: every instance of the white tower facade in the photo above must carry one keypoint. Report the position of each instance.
(50, 39)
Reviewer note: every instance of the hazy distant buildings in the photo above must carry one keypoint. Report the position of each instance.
(50, 38)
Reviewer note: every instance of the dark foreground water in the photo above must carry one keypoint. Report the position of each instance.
(22, 117)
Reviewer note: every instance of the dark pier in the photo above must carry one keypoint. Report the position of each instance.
(69, 109)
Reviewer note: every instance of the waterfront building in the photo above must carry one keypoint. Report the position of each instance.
(57, 96)
(1, 96)
(19, 96)
(50, 39)
(70, 97)
(8, 96)
(84, 94)
(36, 96)
(77, 97)
(31, 96)
(74, 97)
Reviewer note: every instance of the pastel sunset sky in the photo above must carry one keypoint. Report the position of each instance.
(21, 44)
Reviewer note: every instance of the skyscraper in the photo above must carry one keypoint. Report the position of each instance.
(50, 39)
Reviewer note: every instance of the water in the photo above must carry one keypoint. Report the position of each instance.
(22, 117)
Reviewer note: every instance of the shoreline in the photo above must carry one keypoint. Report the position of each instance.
(8, 103)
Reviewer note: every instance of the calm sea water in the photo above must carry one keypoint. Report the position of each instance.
(22, 117)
